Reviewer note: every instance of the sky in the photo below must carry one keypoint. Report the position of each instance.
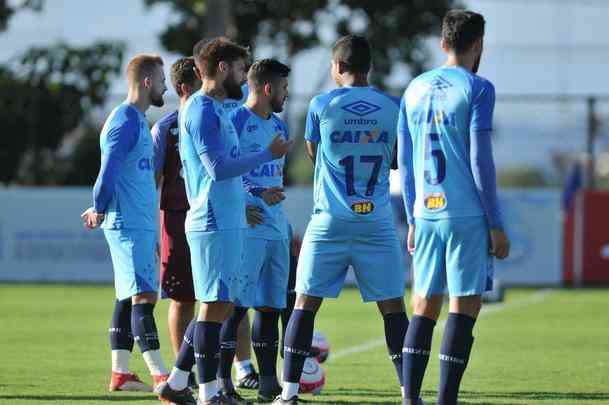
(532, 47)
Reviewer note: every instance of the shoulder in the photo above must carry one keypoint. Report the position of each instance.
(166, 121)
(479, 82)
(386, 96)
(321, 101)
(239, 117)
(124, 114)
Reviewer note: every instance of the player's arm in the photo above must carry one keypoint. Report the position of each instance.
(312, 128)
(121, 139)
(217, 161)
(482, 166)
(406, 167)
(159, 142)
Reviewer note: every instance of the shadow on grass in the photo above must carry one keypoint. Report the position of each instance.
(537, 395)
(68, 397)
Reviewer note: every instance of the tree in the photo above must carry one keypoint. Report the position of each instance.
(396, 29)
(45, 96)
(7, 10)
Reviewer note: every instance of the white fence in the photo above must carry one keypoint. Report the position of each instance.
(42, 238)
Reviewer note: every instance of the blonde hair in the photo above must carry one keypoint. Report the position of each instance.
(142, 66)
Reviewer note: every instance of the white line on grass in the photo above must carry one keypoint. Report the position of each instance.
(535, 298)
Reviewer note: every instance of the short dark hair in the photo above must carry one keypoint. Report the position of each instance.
(461, 28)
(182, 72)
(216, 50)
(266, 71)
(354, 52)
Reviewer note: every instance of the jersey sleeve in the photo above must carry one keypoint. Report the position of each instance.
(159, 142)
(120, 140)
(205, 129)
(312, 132)
(483, 105)
(405, 162)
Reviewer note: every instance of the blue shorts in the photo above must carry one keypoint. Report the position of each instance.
(264, 273)
(215, 258)
(331, 245)
(452, 253)
(134, 260)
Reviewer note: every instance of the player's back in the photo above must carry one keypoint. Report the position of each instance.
(439, 106)
(355, 128)
(214, 205)
(134, 203)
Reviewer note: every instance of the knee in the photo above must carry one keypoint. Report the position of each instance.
(308, 303)
(144, 298)
(392, 306)
(427, 307)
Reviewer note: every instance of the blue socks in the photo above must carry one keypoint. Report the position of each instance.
(207, 350)
(265, 340)
(415, 354)
(228, 346)
(186, 356)
(121, 337)
(454, 354)
(298, 338)
(395, 331)
(144, 328)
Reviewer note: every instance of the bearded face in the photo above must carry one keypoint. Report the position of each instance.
(158, 88)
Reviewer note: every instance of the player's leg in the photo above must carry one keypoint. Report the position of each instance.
(379, 268)
(246, 374)
(291, 293)
(321, 274)
(468, 264)
(270, 300)
(228, 346)
(428, 290)
(134, 258)
(176, 276)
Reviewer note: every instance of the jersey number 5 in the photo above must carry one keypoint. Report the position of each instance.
(433, 151)
(347, 161)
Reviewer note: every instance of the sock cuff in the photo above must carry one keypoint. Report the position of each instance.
(423, 321)
(463, 320)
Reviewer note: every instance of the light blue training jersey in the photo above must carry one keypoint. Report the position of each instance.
(355, 129)
(134, 201)
(214, 205)
(256, 134)
(440, 110)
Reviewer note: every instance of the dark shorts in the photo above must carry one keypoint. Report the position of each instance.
(176, 273)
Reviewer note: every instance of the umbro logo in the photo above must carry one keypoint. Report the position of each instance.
(440, 83)
(361, 108)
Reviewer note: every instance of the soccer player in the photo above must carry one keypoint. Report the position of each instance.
(176, 274)
(350, 134)
(125, 205)
(448, 185)
(212, 167)
(267, 259)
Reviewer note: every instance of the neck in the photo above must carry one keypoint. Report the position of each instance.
(213, 89)
(136, 98)
(355, 80)
(465, 61)
(183, 101)
(258, 106)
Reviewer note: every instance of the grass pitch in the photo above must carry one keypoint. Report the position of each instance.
(539, 347)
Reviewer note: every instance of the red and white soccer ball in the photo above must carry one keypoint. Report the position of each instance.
(320, 347)
(313, 377)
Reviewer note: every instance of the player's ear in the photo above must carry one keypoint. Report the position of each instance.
(147, 82)
(268, 89)
(223, 66)
(184, 89)
(197, 72)
(342, 67)
(444, 45)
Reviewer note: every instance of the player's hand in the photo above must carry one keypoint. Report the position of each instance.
(273, 195)
(410, 243)
(253, 215)
(279, 147)
(500, 244)
(91, 218)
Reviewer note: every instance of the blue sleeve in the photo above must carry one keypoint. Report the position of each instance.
(483, 104)
(405, 165)
(159, 141)
(239, 118)
(205, 130)
(483, 170)
(481, 152)
(120, 140)
(312, 132)
(221, 167)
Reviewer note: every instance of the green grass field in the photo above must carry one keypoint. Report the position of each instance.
(539, 347)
